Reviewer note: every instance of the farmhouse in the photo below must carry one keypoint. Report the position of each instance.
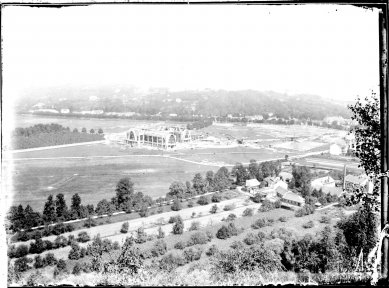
(293, 199)
(281, 191)
(319, 183)
(352, 182)
(280, 183)
(252, 185)
(285, 176)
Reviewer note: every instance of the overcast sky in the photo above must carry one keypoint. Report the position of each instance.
(328, 50)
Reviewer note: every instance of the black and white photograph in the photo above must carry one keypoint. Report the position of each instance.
(194, 144)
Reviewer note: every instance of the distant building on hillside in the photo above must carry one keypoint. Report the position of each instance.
(65, 111)
(335, 149)
(352, 183)
(319, 183)
(47, 111)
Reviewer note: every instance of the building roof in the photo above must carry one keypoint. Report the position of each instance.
(323, 180)
(281, 191)
(285, 175)
(252, 183)
(332, 190)
(293, 197)
(359, 180)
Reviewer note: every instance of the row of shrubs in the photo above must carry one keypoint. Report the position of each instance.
(197, 238)
(38, 246)
(57, 229)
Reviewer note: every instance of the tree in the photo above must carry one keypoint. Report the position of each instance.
(32, 218)
(161, 234)
(124, 228)
(213, 209)
(209, 181)
(221, 179)
(92, 131)
(176, 205)
(76, 204)
(83, 130)
(301, 177)
(368, 145)
(130, 258)
(177, 189)
(203, 200)
(222, 233)
(74, 253)
(178, 227)
(104, 207)
(124, 191)
(241, 173)
(199, 184)
(61, 208)
(49, 214)
(101, 131)
(254, 169)
(22, 264)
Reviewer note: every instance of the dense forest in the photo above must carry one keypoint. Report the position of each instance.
(42, 135)
(187, 103)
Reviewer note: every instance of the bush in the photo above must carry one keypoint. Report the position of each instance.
(160, 210)
(306, 210)
(171, 261)
(38, 262)
(59, 229)
(22, 236)
(259, 223)
(222, 233)
(69, 228)
(257, 198)
(232, 230)
(193, 215)
(37, 234)
(178, 227)
(21, 250)
(180, 245)
(231, 217)
(250, 239)
(204, 200)
(197, 238)
(282, 219)
(190, 204)
(141, 236)
(195, 225)
(22, 264)
(37, 247)
(124, 228)
(77, 269)
(60, 241)
(159, 248)
(213, 209)
(237, 245)
(216, 198)
(266, 206)
(74, 253)
(83, 237)
(229, 207)
(173, 219)
(209, 235)
(248, 212)
(50, 259)
(325, 220)
(192, 254)
(61, 265)
(212, 250)
(277, 204)
(308, 225)
(176, 205)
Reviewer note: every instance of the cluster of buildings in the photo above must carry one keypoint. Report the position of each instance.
(276, 188)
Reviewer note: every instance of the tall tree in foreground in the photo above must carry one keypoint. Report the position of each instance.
(368, 145)
(60, 206)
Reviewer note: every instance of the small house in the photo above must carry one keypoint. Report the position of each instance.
(319, 183)
(293, 199)
(252, 185)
